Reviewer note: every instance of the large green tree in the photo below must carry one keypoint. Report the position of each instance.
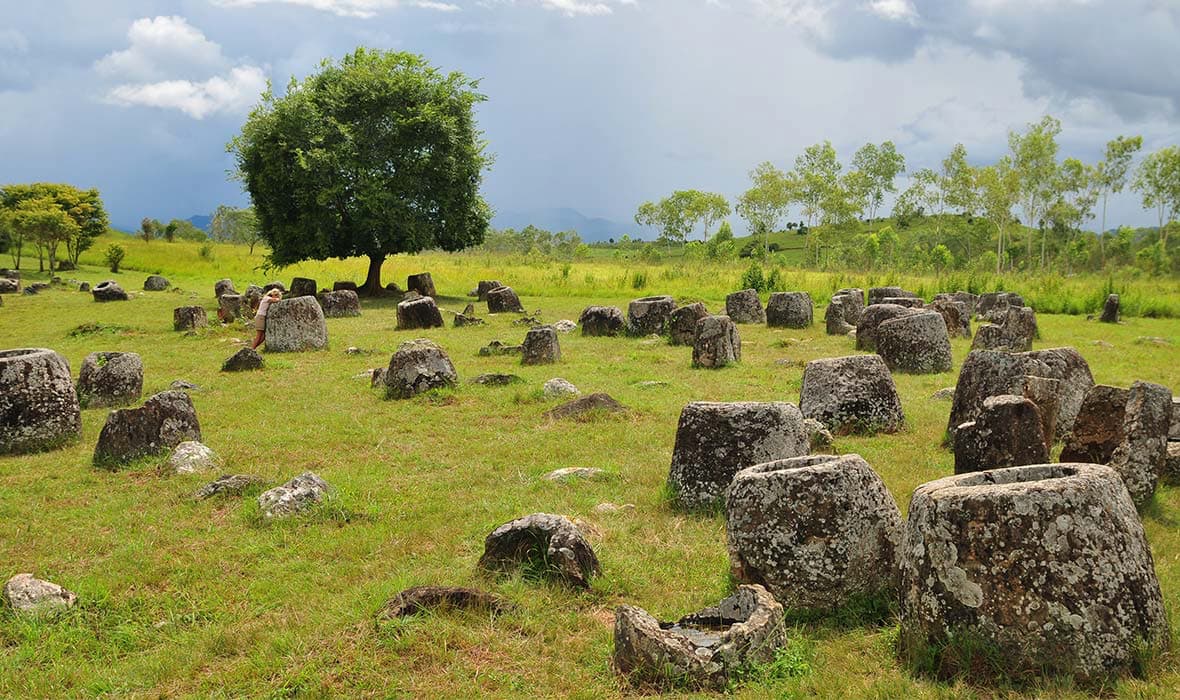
(234, 225)
(1157, 180)
(880, 166)
(817, 173)
(1112, 176)
(44, 222)
(678, 214)
(376, 155)
(767, 202)
(84, 207)
(1034, 157)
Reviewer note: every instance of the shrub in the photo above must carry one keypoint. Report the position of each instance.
(752, 278)
(114, 256)
(206, 252)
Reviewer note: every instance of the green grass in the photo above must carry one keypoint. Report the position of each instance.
(210, 600)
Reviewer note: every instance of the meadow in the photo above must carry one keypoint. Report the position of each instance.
(207, 599)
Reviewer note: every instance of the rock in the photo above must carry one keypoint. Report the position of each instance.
(109, 291)
(601, 321)
(1110, 310)
(303, 287)
(503, 300)
(418, 366)
(564, 326)
(155, 283)
(109, 379)
(39, 407)
(819, 532)
(163, 422)
(1046, 566)
(714, 441)
(916, 343)
(377, 377)
(230, 306)
(497, 379)
(9, 286)
(559, 388)
(244, 360)
(908, 302)
(1007, 433)
(702, 650)
(717, 343)
(546, 545)
(296, 325)
(466, 319)
(429, 598)
(183, 385)
(485, 286)
(1014, 333)
(993, 306)
(990, 373)
(227, 485)
(83, 287)
(834, 318)
(649, 315)
(344, 286)
(745, 307)
(612, 508)
(650, 384)
(789, 310)
(853, 303)
(878, 295)
(819, 438)
(223, 286)
(294, 497)
(191, 457)
(422, 283)
(187, 318)
(418, 313)
(1046, 394)
(1098, 428)
(1152, 340)
(576, 474)
(540, 347)
(497, 348)
(682, 323)
(339, 304)
(872, 318)
(594, 403)
(1174, 430)
(1171, 473)
(955, 315)
(967, 299)
(28, 595)
(1142, 456)
(852, 394)
(946, 394)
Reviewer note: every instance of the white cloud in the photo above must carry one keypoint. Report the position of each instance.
(348, 8)
(159, 47)
(12, 41)
(236, 92)
(894, 9)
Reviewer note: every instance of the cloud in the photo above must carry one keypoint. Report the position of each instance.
(348, 8)
(235, 92)
(160, 47)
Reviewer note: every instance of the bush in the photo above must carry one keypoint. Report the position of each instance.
(752, 278)
(114, 256)
(206, 252)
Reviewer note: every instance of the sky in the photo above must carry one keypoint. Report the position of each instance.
(595, 105)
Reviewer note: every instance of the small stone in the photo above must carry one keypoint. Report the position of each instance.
(429, 598)
(497, 379)
(183, 385)
(1152, 340)
(191, 457)
(576, 474)
(294, 497)
(564, 326)
(549, 544)
(28, 595)
(612, 508)
(344, 285)
(227, 485)
(243, 360)
(594, 403)
(945, 394)
(559, 388)
(745, 307)
(155, 283)
(650, 384)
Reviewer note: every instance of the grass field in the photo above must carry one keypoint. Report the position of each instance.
(208, 600)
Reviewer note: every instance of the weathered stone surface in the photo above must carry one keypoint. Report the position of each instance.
(422, 283)
(1171, 474)
(854, 394)
(1046, 394)
(878, 295)
(503, 300)
(817, 531)
(576, 474)
(163, 422)
(908, 302)
(155, 283)
(345, 286)
(1098, 428)
(717, 343)
(613, 508)
(715, 440)
(819, 438)
(835, 318)
(465, 320)
(83, 287)
(231, 306)
(417, 366)
(417, 313)
(39, 407)
(497, 379)
(955, 315)
(192, 457)
(227, 485)
(1110, 309)
(1047, 564)
(485, 286)
(540, 347)
(1143, 453)
(916, 343)
(682, 324)
(253, 297)
(108, 291)
(1007, 433)
(852, 301)
(377, 377)
(594, 403)
(428, 598)
(28, 595)
(187, 318)
(339, 304)
(649, 315)
(109, 379)
(1014, 332)
(967, 299)
(990, 373)
(244, 360)
(702, 650)
(557, 388)
(993, 305)
(9, 286)
(564, 325)
(223, 286)
(745, 307)
(872, 318)
(294, 497)
(789, 310)
(303, 287)
(497, 348)
(547, 545)
(1174, 431)
(601, 321)
(295, 325)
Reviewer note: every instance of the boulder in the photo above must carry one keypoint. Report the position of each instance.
(745, 307)
(649, 315)
(714, 441)
(1007, 433)
(1143, 454)
(294, 497)
(993, 305)
(1046, 394)
(853, 303)
(557, 388)
(163, 422)
(564, 325)
(872, 318)
(418, 366)
(10, 286)
(955, 315)
(39, 407)
(430, 598)
(1047, 566)
(1174, 430)
(223, 286)
(854, 394)
(422, 283)
(1098, 428)
(1014, 332)
(28, 595)
(244, 360)
(1171, 473)
(540, 347)
(549, 546)
(485, 286)
(818, 532)
(682, 324)
(503, 300)
(417, 313)
(187, 318)
(83, 287)
(339, 304)
(303, 287)
(601, 321)
(835, 318)
(878, 295)
(108, 291)
(594, 403)
(192, 457)
(467, 318)
(230, 306)
(155, 283)
(916, 343)
(967, 299)
(109, 379)
(344, 286)
(703, 650)
(296, 325)
(717, 343)
(1110, 309)
(789, 310)
(227, 485)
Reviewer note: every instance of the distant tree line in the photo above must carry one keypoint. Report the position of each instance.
(56, 221)
(531, 240)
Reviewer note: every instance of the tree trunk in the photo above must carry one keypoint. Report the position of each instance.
(372, 286)
(1102, 234)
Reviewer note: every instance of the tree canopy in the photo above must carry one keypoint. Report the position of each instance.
(84, 208)
(375, 155)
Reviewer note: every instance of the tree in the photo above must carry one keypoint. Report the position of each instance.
(817, 172)
(1034, 157)
(83, 206)
(998, 188)
(768, 200)
(43, 221)
(708, 208)
(677, 215)
(234, 225)
(1157, 180)
(881, 165)
(1075, 189)
(1112, 176)
(147, 229)
(376, 155)
(114, 256)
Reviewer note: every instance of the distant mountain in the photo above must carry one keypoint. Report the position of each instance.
(201, 221)
(565, 219)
